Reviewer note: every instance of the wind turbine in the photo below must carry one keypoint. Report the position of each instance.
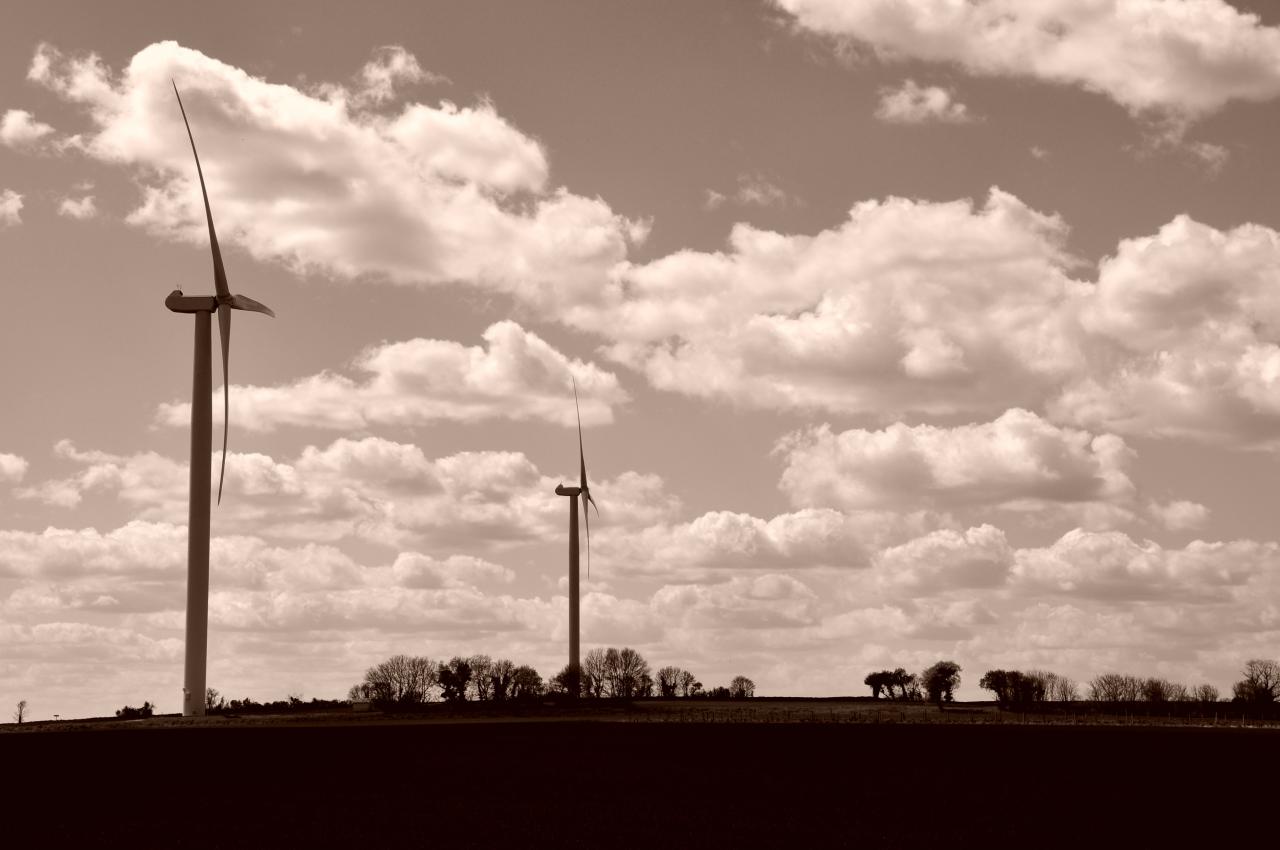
(575, 666)
(223, 302)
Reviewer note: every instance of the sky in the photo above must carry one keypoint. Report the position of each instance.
(905, 330)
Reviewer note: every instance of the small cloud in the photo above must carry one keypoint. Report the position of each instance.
(754, 190)
(391, 66)
(12, 467)
(10, 208)
(1179, 515)
(1039, 152)
(20, 129)
(913, 104)
(78, 208)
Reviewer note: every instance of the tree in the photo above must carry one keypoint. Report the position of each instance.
(1205, 693)
(213, 701)
(21, 712)
(669, 681)
(626, 673)
(1261, 682)
(941, 680)
(595, 673)
(687, 685)
(1162, 690)
(401, 680)
(570, 680)
(131, 713)
(742, 688)
(1115, 687)
(481, 685)
(525, 683)
(878, 681)
(500, 676)
(454, 677)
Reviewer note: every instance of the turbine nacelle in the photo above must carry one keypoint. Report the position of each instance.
(562, 490)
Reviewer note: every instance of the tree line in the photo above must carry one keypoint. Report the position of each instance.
(605, 673)
(1259, 685)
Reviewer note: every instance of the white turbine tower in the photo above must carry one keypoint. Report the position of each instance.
(223, 302)
(575, 666)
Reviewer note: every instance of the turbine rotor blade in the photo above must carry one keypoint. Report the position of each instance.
(582, 458)
(219, 273)
(244, 302)
(586, 517)
(224, 332)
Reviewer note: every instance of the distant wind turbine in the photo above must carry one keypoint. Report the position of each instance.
(575, 667)
(193, 677)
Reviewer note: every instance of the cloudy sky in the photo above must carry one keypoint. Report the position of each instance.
(905, 330)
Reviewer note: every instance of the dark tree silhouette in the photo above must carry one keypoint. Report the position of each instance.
(568, 680)
(879, 681)
(481, 685)
(525, 683)
(454, 677)
(400, 680)
(1261, 682)
(131, 713)
(500, 677)
(1115, 687)
(626, 672)
(687, 685)
(669, 681)
(595, 673)
(1205, 693)
(21, 712)
(941, 680)
(742, 688)
(213, 701)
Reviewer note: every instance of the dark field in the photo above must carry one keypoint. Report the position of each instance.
(579, 783)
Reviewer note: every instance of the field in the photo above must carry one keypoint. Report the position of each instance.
(658, 776)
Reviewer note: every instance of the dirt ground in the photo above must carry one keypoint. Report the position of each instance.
(653, 777)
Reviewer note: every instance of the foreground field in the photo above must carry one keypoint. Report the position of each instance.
(379, 782)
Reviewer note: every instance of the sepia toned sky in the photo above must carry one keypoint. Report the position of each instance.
(904, 329)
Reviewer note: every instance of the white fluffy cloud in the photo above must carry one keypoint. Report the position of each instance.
(428, 195)
(10, 208)
(371, 489)
(945, 559)
(78, 208)
(516, 376)
(1186, 325)
(1189, 57)
(907, 306)
(1017, 461)
(12, 467)
(915, 104)
(20, 129)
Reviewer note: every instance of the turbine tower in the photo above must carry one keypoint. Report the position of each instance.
(203, 306)
(575, 666)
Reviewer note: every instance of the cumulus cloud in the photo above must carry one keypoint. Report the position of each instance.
(10, 208)
(20, 129)
(1186, 324)
(1189, 58)
(946, 559)
(914, 104)
(426, 195)
(906, 306)
(1018, 461)
(1179, 515)
(390, 67)
(12, 467)
(517, 376)
(371, 489)
(78, 208)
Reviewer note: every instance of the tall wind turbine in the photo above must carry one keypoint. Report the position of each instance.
(223, 302)
(582, 489)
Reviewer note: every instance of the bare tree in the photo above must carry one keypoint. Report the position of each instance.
(626, 672)
(21, 712)
(454, 677)
(1115, 687)
(401, 679)
(595, 673)
(500, 676)
(687, 685)
(1261, 682)
(213, 701)
(1205, 693)
(668, 681)
(742, 688)
(481, 686)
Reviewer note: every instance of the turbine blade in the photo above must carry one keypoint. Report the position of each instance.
(582, 458)
(244, 302)
(587, 520)
(219, 273)
(224, 331)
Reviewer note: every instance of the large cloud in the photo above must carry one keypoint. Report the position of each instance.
(428, 195)
(1017, 461)
(518, 376)
(1188, 57)
(906, 306)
